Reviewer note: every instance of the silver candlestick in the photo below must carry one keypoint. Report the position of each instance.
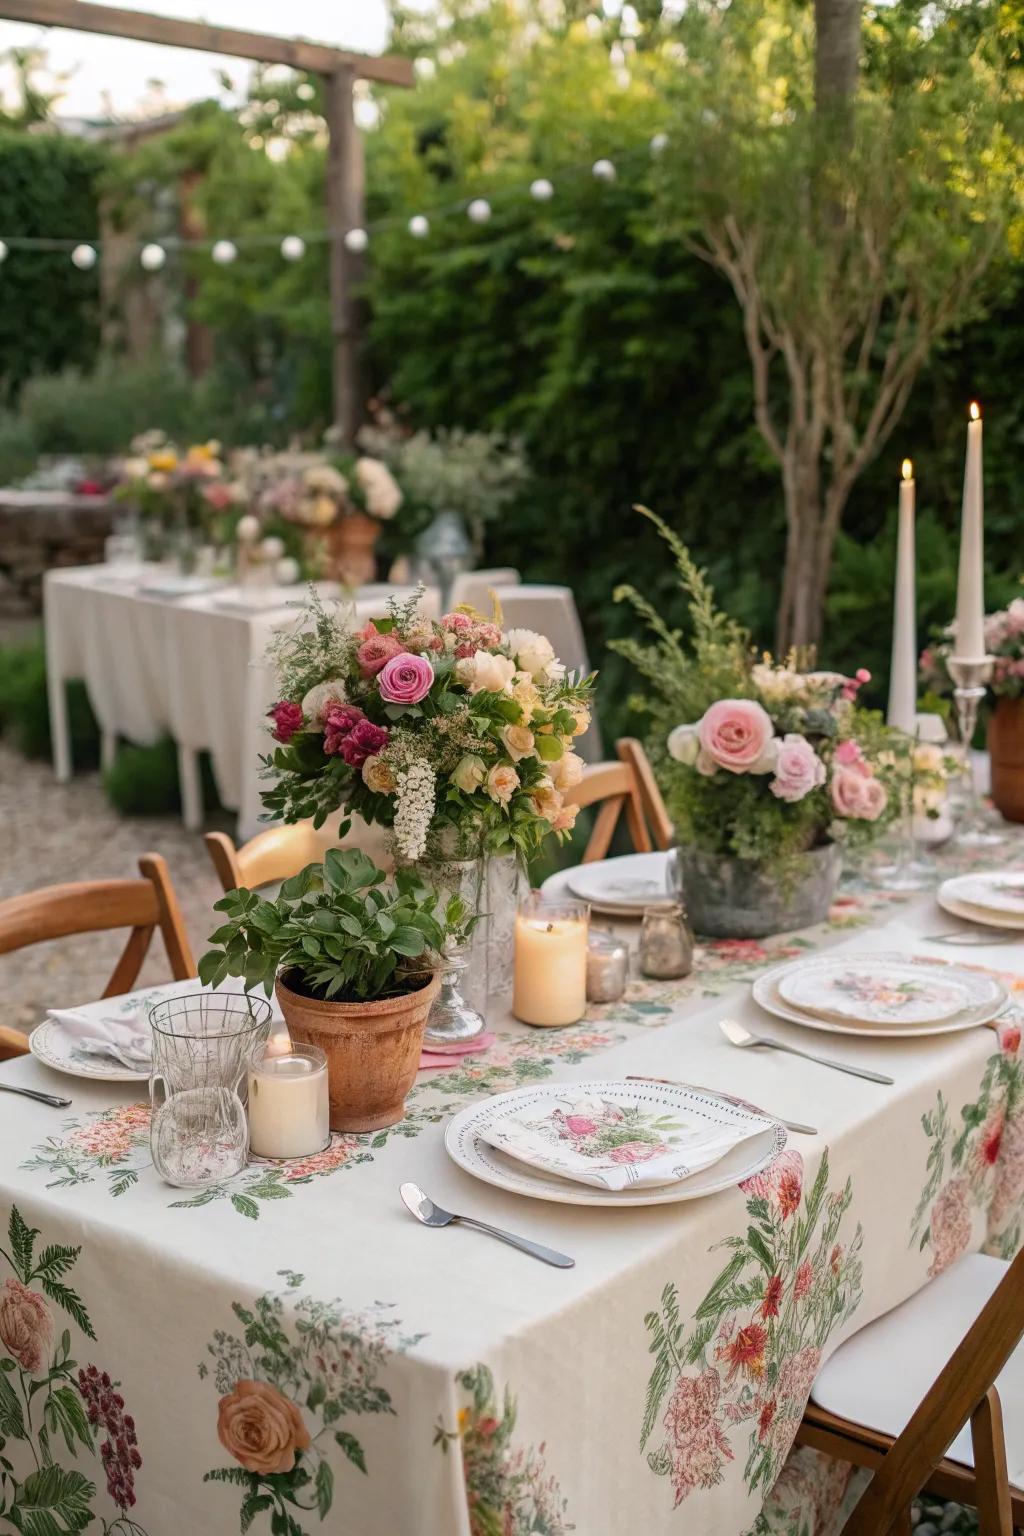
(969, 683)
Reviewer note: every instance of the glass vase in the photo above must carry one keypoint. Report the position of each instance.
(490, 886)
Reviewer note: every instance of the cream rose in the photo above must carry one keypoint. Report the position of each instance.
(581, 718)
(469, 773)
(567, 772)
(517, 741)
(26, 1326)
(483, 672)
(566, 818)
(526, 694)
(319, 701)
(684, 744)
(546, 801)
(378, 777)
(502, 783)
(261, 1428)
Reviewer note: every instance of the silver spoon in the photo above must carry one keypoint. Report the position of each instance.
(34, 1093)
(431, 1215)
(737, 1035)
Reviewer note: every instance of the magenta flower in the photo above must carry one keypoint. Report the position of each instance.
(364, 740)
(406, 679)
(119, 1453)
(338, 726)
(287, 718)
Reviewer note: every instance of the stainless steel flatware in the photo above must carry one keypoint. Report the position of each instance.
(34, 1093)
(737, 1035)
(730, 1098)
(432, 1215)
(970, 936)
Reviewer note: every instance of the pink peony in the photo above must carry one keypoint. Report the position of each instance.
(781, 1181)
(457, 623)
(376, 652)
(406, 679)
(364, 740)
(857, 794)
(737, 735)
(287, 718)
(580, 1125)
(339, 724)
(633, 1152)
(798, 769)
(697, 1443)
(1009, 1039)
(26, 1326)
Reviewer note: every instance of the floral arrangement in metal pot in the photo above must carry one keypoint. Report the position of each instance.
(1004, 640)
(454, 732)
(759, 760)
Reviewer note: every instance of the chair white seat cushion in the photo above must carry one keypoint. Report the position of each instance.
(879, 1377)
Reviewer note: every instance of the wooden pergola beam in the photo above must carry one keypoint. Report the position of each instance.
(141, 27)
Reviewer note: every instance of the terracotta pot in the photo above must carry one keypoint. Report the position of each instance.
(350, 549)
(1006, 750)
(373, 1050)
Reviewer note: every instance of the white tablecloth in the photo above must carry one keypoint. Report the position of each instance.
(296, 1354)
(185, 667)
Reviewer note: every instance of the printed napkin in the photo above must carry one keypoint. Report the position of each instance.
(616, 1145)
(126, 1039)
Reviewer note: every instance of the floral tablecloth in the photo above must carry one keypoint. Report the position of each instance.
(289, 1352)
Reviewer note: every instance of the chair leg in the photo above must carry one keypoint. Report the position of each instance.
(995, 1513)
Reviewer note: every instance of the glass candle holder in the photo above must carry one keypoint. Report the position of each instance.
(288, 1105)
(666, 944)
(607, 968)
(550, 961)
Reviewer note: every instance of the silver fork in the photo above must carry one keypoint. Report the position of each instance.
(737, 1035)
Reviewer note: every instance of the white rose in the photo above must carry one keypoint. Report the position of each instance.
(383, 497)
(683, 744)
(534, 653)
(319, 701)
(484, 672)
(517, 741)
(469, 773)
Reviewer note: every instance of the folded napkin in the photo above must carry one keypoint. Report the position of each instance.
(126, 1039)
(618, 1146)
(431, 1058)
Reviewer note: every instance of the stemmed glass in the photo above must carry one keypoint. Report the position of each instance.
(906, 872)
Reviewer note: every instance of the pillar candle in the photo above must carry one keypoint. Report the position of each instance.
(288, 1105)
(903, 671)
(970, 595)
(550, 976)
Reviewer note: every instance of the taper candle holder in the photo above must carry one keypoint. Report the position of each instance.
(970, 679)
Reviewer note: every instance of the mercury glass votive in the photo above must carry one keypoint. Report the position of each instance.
(666, 944)
(607, 968)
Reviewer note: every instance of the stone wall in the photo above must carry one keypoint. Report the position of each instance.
(42, 529)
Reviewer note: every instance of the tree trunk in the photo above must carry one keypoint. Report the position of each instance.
(836, 52)
(812, 522)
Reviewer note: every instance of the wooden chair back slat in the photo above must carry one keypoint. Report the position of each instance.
(12, 1043)
(612, 787)
(655, 813)
(270, 856)
(96, 906)
(962, 1387)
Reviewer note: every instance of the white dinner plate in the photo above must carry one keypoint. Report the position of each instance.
(179, 586)
(625, 886)
(485, 1162)
(987, 997)
(867, 990)
(998, 899)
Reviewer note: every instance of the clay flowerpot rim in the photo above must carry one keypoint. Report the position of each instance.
(379, 1005)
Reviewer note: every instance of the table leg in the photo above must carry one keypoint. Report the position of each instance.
(60, 729)
(191, 788)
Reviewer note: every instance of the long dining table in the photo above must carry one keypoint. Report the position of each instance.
(290, 1352)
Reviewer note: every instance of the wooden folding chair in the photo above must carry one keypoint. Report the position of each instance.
(282, 851)
(617, 788)
(631, 753)
(93, 906)
(972, 1317)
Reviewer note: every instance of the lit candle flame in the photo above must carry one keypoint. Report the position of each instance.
(975, 410)
(908, 470)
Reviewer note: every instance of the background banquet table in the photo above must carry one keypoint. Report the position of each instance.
(188, 667)
(436, 1383)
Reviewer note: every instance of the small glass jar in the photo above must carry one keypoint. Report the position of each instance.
(607, 968)
(666, 943)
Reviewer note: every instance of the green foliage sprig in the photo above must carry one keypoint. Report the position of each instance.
(338, 928)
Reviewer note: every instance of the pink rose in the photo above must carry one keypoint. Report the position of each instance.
(737, 734)
(287, 718)
(580, 1125)
(375, 652)
(633, 1152)
(798, 769)
(406, 679)
(26, 1326)
(261, 1428)
(848, 753)
(1009, 1039)
(457, 623)
(857, 794)
(364, 740)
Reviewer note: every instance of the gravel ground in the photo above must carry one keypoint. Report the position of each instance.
(61, 832)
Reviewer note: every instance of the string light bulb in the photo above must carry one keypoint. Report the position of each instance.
(84, 257)
(479, 210)
(356, 241)
(293, 247)
(419, 226)
(152, 257)
(659, 143)
(604, 170)
(224, 252)
(3, 251)
(542, 190)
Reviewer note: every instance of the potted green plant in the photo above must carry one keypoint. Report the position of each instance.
(353, 960)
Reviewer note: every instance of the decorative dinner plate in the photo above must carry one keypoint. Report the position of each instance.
(179, 586)
(999, 896)
(866, 990)
(470, 1152)
(986, 998)
(623, 887)
(983, 916)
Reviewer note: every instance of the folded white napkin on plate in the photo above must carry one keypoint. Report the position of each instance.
(615, 1145)
(126, 1038)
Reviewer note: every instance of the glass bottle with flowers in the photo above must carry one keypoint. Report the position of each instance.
(454, 733)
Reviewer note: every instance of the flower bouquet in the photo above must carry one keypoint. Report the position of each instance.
(457, 735)
(342, 504)
(184, 491)
(767, 770)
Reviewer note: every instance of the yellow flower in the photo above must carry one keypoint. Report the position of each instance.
(165, 460)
